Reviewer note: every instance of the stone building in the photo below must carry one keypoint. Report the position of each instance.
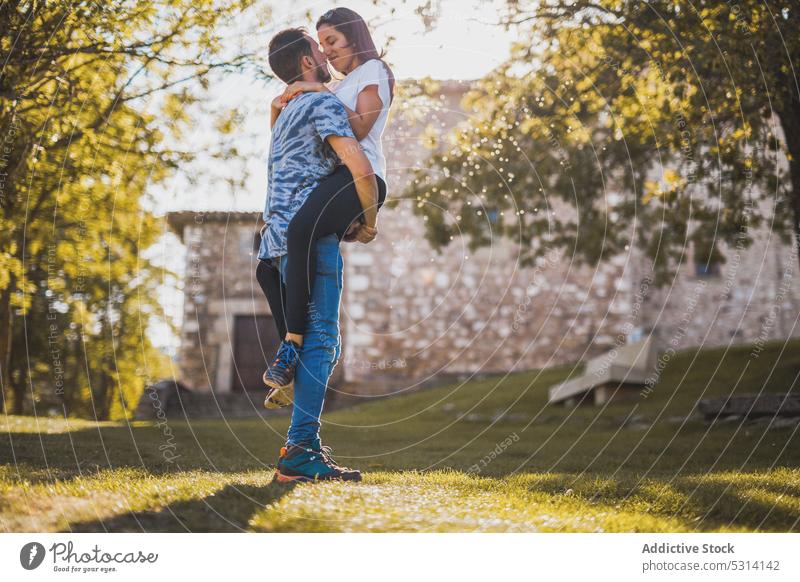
(411, 316)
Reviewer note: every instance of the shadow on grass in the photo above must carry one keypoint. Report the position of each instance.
(227, 511)
(197, 446)
(748, 500)
(756, 498)
(699, 504)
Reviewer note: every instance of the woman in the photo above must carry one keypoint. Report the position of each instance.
(366, 91)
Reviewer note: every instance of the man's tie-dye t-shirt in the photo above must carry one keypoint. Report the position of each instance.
(299, 158)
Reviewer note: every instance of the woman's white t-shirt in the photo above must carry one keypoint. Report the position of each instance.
(371, 72)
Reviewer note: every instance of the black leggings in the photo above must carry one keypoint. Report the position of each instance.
(330, 209)
(269, 278)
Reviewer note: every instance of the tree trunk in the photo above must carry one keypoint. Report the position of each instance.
(6, 317)
(100, 394)
(790, 121)
(16, 376)
(794, 170)
(105, 397)
(18, 385)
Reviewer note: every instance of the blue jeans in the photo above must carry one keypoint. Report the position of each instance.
(321, 343)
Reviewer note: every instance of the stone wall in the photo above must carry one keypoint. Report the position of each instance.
(411, 316)
(415, 316)
(754, 298)
(219, 284)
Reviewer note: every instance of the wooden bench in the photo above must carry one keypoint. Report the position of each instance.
(623, 370)
(750, 406)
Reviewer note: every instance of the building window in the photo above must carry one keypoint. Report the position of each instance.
(707, 260)
(706, 269)
(637, 334)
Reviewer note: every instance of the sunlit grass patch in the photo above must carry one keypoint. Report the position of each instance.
(47, 424)
(432, 461)
(453, 502)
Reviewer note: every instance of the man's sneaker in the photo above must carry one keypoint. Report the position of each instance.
(279, 397)
(327, 453)
(280, 373)
(299, 463)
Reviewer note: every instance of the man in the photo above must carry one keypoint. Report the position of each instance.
(309, 139)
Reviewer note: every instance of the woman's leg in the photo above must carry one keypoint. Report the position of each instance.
(269, 278)
(329, 209)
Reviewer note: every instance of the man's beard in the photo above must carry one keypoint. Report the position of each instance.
(323, 75)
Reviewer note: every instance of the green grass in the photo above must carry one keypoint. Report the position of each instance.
(643, 465)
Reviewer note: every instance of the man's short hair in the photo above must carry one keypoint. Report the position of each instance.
(285, 51)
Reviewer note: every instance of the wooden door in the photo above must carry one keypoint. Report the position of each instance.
(254, 345)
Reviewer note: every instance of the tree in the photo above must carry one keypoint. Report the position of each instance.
(654, 123)
(93, 97)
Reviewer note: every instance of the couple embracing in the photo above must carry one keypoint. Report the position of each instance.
(326, 184)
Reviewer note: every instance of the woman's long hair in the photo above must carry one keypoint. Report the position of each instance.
(355, 30)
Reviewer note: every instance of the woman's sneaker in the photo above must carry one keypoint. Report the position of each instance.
(299, 463)
(280, 373)
(279, 397)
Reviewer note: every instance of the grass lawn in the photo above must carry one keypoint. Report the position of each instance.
(644, 465)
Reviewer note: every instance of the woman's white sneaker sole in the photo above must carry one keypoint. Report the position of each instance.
(279, 397)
